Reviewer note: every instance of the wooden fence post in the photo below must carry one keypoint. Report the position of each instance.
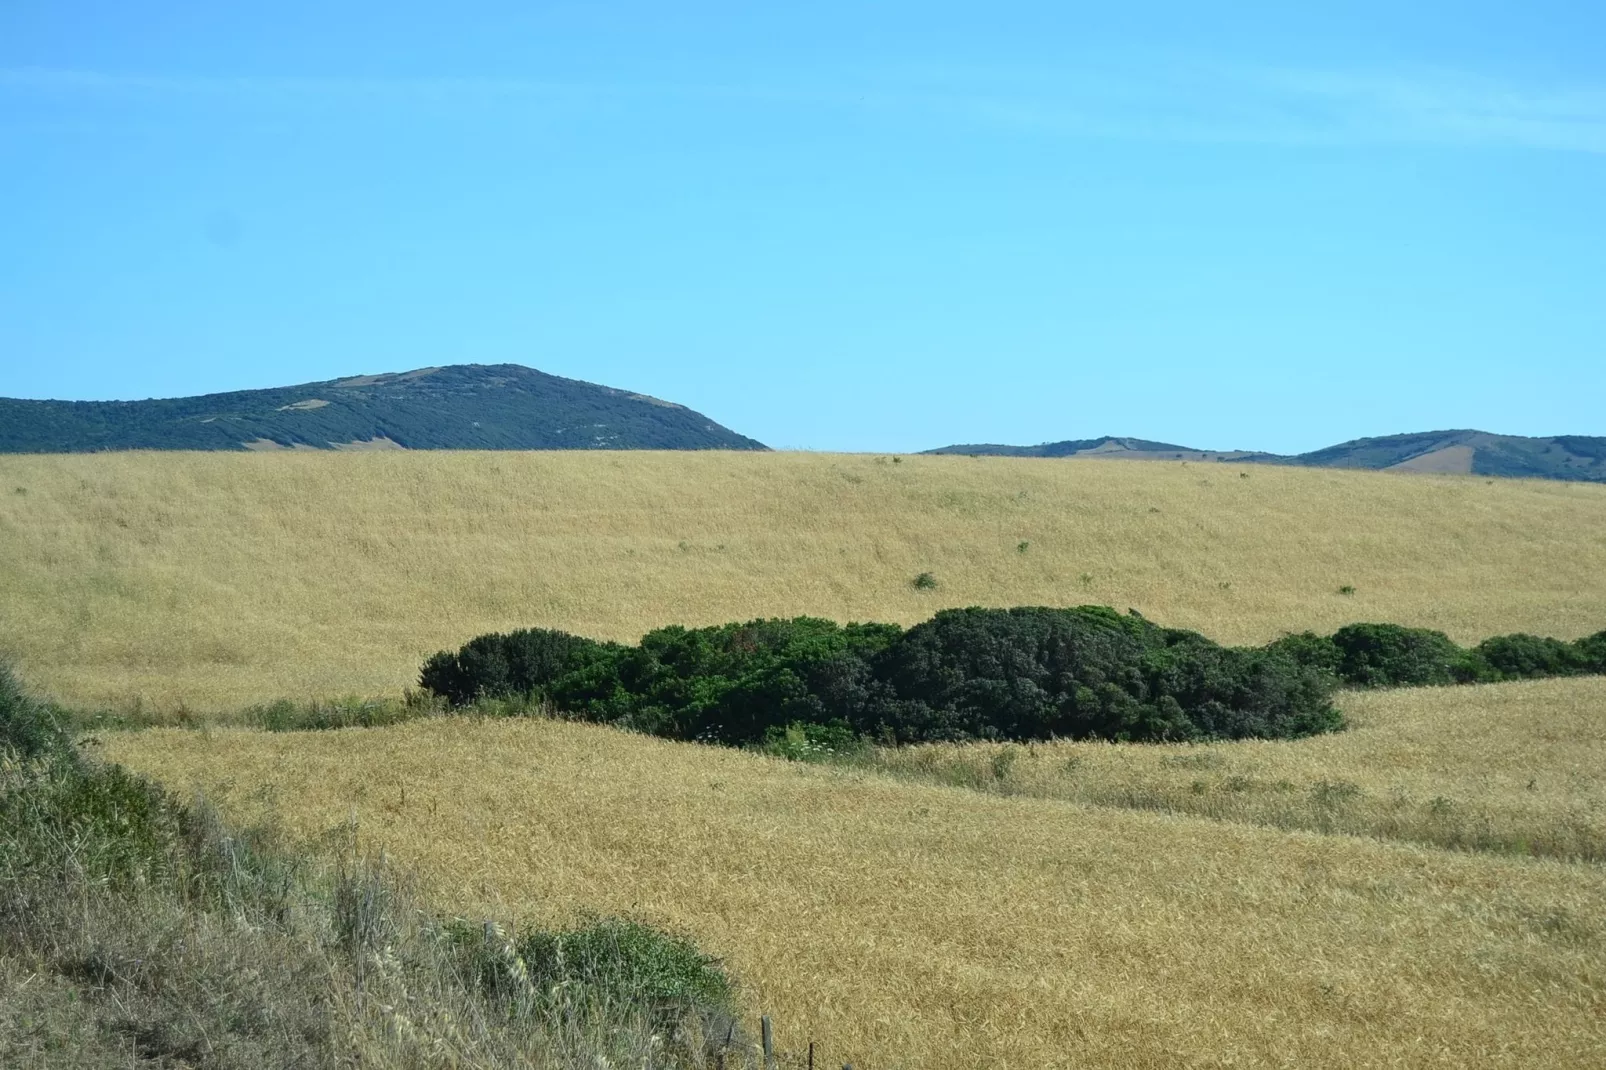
(767, 1029)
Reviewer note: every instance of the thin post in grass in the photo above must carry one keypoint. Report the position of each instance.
(766, 1029)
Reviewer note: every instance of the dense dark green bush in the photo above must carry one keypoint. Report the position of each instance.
(806, 687)
(733, 682)
(1521, 656)
(1036, 673)
(519, 664)
(727, 684)
(1391, 655)
(1314, 651)
(1387, 655)
(966, 674)
(1592, 652)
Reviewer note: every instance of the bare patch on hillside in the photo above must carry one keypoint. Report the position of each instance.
(267, 445)
(649, 399)
(1116, 452)
(368, 444)
(380, 380)
(1453, 459)
(302, 406)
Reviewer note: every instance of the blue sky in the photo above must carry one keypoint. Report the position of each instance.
(828, 226)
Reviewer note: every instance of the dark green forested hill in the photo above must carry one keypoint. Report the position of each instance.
(471, 406)
(1572, 457)
(1069, 448)
(1575, 457)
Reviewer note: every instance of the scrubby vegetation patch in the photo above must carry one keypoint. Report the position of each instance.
(1031, 673)
(809, 688)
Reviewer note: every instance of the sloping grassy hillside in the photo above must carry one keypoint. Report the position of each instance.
(214, 580)
(903, 924)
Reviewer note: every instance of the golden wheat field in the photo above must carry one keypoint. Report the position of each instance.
(1514, 767)
(902, 925)
(213, 580)
(1238, 904)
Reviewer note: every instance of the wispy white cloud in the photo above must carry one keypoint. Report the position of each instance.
(1181, 100)
(1148, 100)
(1450, 108)
(63, 81)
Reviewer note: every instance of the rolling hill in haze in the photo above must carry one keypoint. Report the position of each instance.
(1571, 457)
(467, 406)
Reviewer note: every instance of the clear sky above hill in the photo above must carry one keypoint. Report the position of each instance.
(835, 226)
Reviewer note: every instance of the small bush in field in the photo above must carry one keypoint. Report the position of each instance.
(1088, 672)
(623, 962)
(1592, 652)
(924, 582)
(1311, 650)
(522, 663)
(1521, 656)
(1391, 655)
(803, 742)
(28, 729)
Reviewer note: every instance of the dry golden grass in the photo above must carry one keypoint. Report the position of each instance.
(214, 580)
(901, 923)
(910, 925)
(1507, 767)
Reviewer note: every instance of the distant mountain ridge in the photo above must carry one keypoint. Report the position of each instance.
(465, 406)
(1579, 458)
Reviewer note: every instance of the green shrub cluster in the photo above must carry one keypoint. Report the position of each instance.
(1390, 655)
(1086, 673)
(810, 688)
(29, 730)
(1030, 673)
(522, 663)
(622, 960)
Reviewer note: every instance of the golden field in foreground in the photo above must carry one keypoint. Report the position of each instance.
(1507, 767)
(215, 580)
(902, 924)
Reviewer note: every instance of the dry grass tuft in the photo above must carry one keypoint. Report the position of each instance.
(904, 924)
(213, 581)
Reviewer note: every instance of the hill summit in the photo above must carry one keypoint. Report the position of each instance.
(1570, 457)
(466, 406)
